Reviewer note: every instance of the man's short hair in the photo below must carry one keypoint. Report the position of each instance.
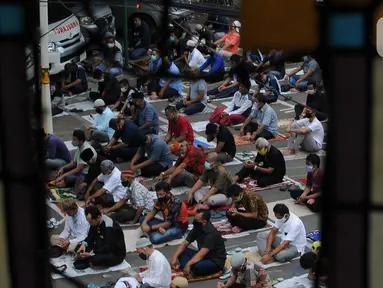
(281, 209)
(234, 190)
(162, 186)
(261, 143)
(262, 98)
(313, 159)
(211, 129)
(79, 134)
(106, 166)
(113, 123)
(205, 214)
(308, 260)
(124, 82)
(171, 109)
(69, 204)
(93, 211)
(97, 74)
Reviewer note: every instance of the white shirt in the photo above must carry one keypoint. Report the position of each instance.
(159, 273)
(241, 101)
(76, 227)
(292, 230)
(130, 280)
(196, 58)
(316, 128)
(112, 184)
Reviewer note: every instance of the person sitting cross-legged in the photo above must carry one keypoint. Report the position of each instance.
(307, 133)
(210, 257)
(188, 168)
(245, 273)
(158, 158)
(312, 194)
(175, 215)
(286, 246)
(111, 192)
(255, 214)
(146, 116)
(75, 230)
(141, 202)
(311, 261)
(218, 179)
(268, 167)
(266, 125)
(78, 82)
(179, 127)
(105, 239)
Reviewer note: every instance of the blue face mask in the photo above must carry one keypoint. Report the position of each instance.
(153, 57)
(309, 168)
(305, 58)
(207, 166)
(171, 38)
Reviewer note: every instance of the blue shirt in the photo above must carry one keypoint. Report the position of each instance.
(215, 62)
(157, 151)
(155, 65)
(176, 83)
(267, 117)
(102, 122)
(148, 113)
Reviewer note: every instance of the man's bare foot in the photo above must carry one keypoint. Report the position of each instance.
(288, 152)
(246, 138)
(236, 229)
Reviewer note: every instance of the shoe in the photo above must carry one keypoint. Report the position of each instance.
(284, 187)
(294, 188)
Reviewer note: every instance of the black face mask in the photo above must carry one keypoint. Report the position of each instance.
(196, 223)
(99, 111)
(143, 256)
(309, 115)
(126, 184)
(212, 53)
(163, 199)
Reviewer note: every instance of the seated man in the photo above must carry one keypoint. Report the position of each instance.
(230, 41)
(274, 63)
(312, 74)
(112, 60)
(210, 257)
(196, 98)
(225, 148)
(141, 201)
(75, 230)
(255, 214)
(67, 175)
(217, 179)
(105, 239)
(57, 152)
(130, 137)
(312, 195)
(237, 111)
(179, 127)
(146, 115)
(216, 63)
(307, 133)
(158, 157)
(316, 99)
(271, 85)
(155, 63)
(78, 80)
(245, 273)
(112, 190)
(311, 261)
(192, 57)
(125, 104)
(268, 167)
(175, 215)
(108, 87)
(289, 244)
(188, 168)
(141, 39)
(100, 132)
(266, 125)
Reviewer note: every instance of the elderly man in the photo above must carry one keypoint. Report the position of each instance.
(100, 132)
(188, 168)
(245, 273)
(217, 179)
(225, 148)
(67, 175)
(179, 127)
(141, 201)
(210, 257)
(268, 167)
(307, 133)
(111, 192)
(312, 74)
(146, 115)
(291, 242)
(158, 158)
(266, 125)
(255, 214)
(105, 245)
(75, 230)
(175, 216)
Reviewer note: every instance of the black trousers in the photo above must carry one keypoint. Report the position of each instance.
(316, 207)
(99, 260)
(245, 223)
(105, 200)
(263, 180)
(252, 127)
(124, 214)
(213, 77)
(125, 153)
(169, 92)
(152, 170)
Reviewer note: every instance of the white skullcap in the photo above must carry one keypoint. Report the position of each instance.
(237, 24)
(143, 242)
(237, 260)
(180, 282)
(191, 43)
(99, 103)
(198, 27)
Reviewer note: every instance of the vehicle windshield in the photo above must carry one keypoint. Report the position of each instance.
(57, 12)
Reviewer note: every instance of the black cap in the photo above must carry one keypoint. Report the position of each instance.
(211, 128)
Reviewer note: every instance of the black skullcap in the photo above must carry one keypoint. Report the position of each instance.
(87, 154)
(211, 129)
(137, 95)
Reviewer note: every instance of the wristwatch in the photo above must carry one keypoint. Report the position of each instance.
(151, 228)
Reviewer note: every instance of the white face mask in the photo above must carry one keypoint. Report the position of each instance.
(124, 90)
(101, 80)
(110, 45)
(311, 92)
(281, 221)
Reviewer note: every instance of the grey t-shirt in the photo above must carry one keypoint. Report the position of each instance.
(196, 87)
(313, 65)
(158, 151)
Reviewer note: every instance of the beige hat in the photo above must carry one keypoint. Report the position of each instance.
(180, 282)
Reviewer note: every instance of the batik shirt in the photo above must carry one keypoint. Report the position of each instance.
(252, 276)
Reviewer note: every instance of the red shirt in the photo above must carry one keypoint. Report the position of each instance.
(181, 126)
(194, 159)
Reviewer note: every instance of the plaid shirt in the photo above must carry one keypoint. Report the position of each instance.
(194, 159)
(252, 276)
(140, 197)
(174, 211)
